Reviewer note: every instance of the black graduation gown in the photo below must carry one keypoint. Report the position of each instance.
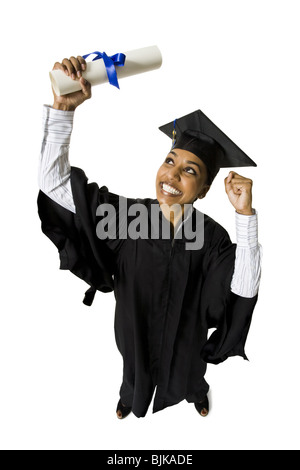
(167, 297)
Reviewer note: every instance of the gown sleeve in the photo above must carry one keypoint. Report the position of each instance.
(228, 313)
(74, 234)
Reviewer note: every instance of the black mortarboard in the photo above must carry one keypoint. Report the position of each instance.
(199, 135)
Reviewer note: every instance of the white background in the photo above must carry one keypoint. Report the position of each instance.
(60, 370)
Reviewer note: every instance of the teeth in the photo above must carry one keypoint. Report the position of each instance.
(170, 189)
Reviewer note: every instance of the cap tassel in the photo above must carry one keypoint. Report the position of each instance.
(174, 135)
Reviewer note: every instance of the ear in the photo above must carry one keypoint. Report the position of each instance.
(203, 191)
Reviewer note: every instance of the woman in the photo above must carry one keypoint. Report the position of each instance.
(170, 286)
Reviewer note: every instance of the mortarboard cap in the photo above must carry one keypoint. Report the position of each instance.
(199, 135)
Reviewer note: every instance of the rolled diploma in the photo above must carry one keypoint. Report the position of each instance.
(137, 61)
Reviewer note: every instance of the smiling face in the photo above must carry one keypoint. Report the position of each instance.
(181, 179)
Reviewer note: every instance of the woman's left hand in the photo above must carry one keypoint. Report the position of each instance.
(239, 192)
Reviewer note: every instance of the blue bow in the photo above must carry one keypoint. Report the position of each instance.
(110, 64)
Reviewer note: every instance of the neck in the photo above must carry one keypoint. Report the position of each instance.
(174, 214)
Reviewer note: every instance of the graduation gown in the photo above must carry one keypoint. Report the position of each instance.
(167, 297)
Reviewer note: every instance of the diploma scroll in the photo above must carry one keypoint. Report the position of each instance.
(137, 61)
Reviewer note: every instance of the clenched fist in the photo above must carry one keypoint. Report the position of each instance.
(239, 192)
(72, 67)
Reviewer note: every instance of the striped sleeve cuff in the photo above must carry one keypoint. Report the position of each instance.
(58, 125)
(246, 230)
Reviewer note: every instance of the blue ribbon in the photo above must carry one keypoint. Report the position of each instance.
(110, 63)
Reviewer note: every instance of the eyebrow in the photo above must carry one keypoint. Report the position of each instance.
(191, 163)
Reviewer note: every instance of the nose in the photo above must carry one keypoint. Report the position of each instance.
(174, 174)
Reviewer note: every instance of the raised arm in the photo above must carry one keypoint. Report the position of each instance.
(54, 166)
(247, 268)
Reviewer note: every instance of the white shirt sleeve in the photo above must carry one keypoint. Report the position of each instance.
(247, 268)
(54, 167)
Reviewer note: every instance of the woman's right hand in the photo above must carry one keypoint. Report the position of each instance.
(72, 67)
